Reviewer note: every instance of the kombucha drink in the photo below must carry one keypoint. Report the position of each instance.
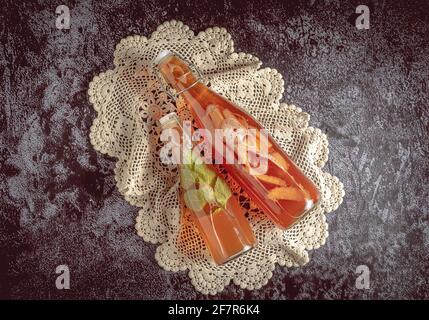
(283, 192)
(212, 206)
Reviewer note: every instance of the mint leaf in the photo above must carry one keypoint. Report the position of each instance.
(222, 192)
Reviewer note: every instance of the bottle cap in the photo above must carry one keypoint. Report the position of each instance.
(168, 53)
(169, 118)
(161, 55)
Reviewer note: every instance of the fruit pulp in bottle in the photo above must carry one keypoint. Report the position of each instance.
(283, 192)
(226, 232)
(213, 208)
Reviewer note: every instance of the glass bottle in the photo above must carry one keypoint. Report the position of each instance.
(283, 192)
(213, 208)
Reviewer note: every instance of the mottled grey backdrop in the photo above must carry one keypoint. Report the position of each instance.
(367, 89)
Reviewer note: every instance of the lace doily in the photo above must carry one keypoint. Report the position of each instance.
(129, 101)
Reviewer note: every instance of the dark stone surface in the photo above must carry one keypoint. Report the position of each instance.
(367, 89)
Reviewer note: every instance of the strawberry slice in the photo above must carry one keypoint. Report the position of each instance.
(215, 115)
(286, 193)
(279, 160)
(271, 180)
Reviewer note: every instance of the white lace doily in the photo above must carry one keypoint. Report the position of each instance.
(129, 101)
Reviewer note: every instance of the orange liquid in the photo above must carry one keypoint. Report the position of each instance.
(227, 233)
(291, 195)
(223, 227)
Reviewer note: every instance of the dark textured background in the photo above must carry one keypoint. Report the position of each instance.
(367, 89)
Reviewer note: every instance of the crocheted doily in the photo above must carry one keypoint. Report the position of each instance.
(129, 101)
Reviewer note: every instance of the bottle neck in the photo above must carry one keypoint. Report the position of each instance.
(177, 74)
(171, 121)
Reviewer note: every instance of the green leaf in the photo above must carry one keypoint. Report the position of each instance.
(187, 179)
(205, 174)
(217, 210)
(208, 193)
(222, 192)
(194, 200)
